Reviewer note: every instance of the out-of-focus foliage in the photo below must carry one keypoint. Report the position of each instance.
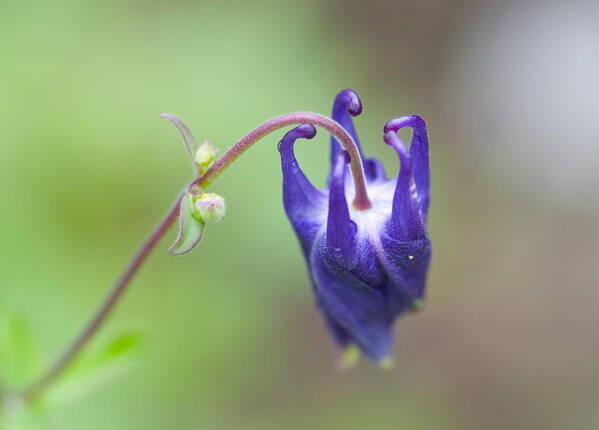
(231, 337)
(20, 364)
(94, 370)
(19, 352)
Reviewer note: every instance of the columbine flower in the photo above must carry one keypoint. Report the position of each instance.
(368, 266)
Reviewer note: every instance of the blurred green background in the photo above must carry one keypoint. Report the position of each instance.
(231, 339)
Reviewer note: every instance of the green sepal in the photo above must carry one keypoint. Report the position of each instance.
(191, 229)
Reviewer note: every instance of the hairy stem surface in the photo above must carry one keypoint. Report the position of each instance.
(361, 201)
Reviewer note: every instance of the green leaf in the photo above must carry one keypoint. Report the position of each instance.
(191, 229)
(19, 354)
(94, 370)
(118, 348)
(19, 415)
(19, 363)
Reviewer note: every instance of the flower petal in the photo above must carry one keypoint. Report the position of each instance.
(355, 312)
(406, 220)
(340, 228)
(346, 103)
(341, 336)
(304, 204)
(406, 263)
(419, 153)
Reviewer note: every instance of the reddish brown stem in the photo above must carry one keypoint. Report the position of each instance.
(361, 200)
(40, 385)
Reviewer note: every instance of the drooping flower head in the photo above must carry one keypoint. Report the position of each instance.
(368, 265)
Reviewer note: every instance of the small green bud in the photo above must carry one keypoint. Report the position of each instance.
(205, 156)
(209, 207)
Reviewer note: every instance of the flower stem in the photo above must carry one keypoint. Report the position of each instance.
(40, 385)
(361, 200)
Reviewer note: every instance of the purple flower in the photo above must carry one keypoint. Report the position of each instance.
(367, 266)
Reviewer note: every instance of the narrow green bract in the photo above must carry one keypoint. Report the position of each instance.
(191, 229)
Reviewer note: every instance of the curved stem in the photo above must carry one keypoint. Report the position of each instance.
(361, 200)
(37, 387)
